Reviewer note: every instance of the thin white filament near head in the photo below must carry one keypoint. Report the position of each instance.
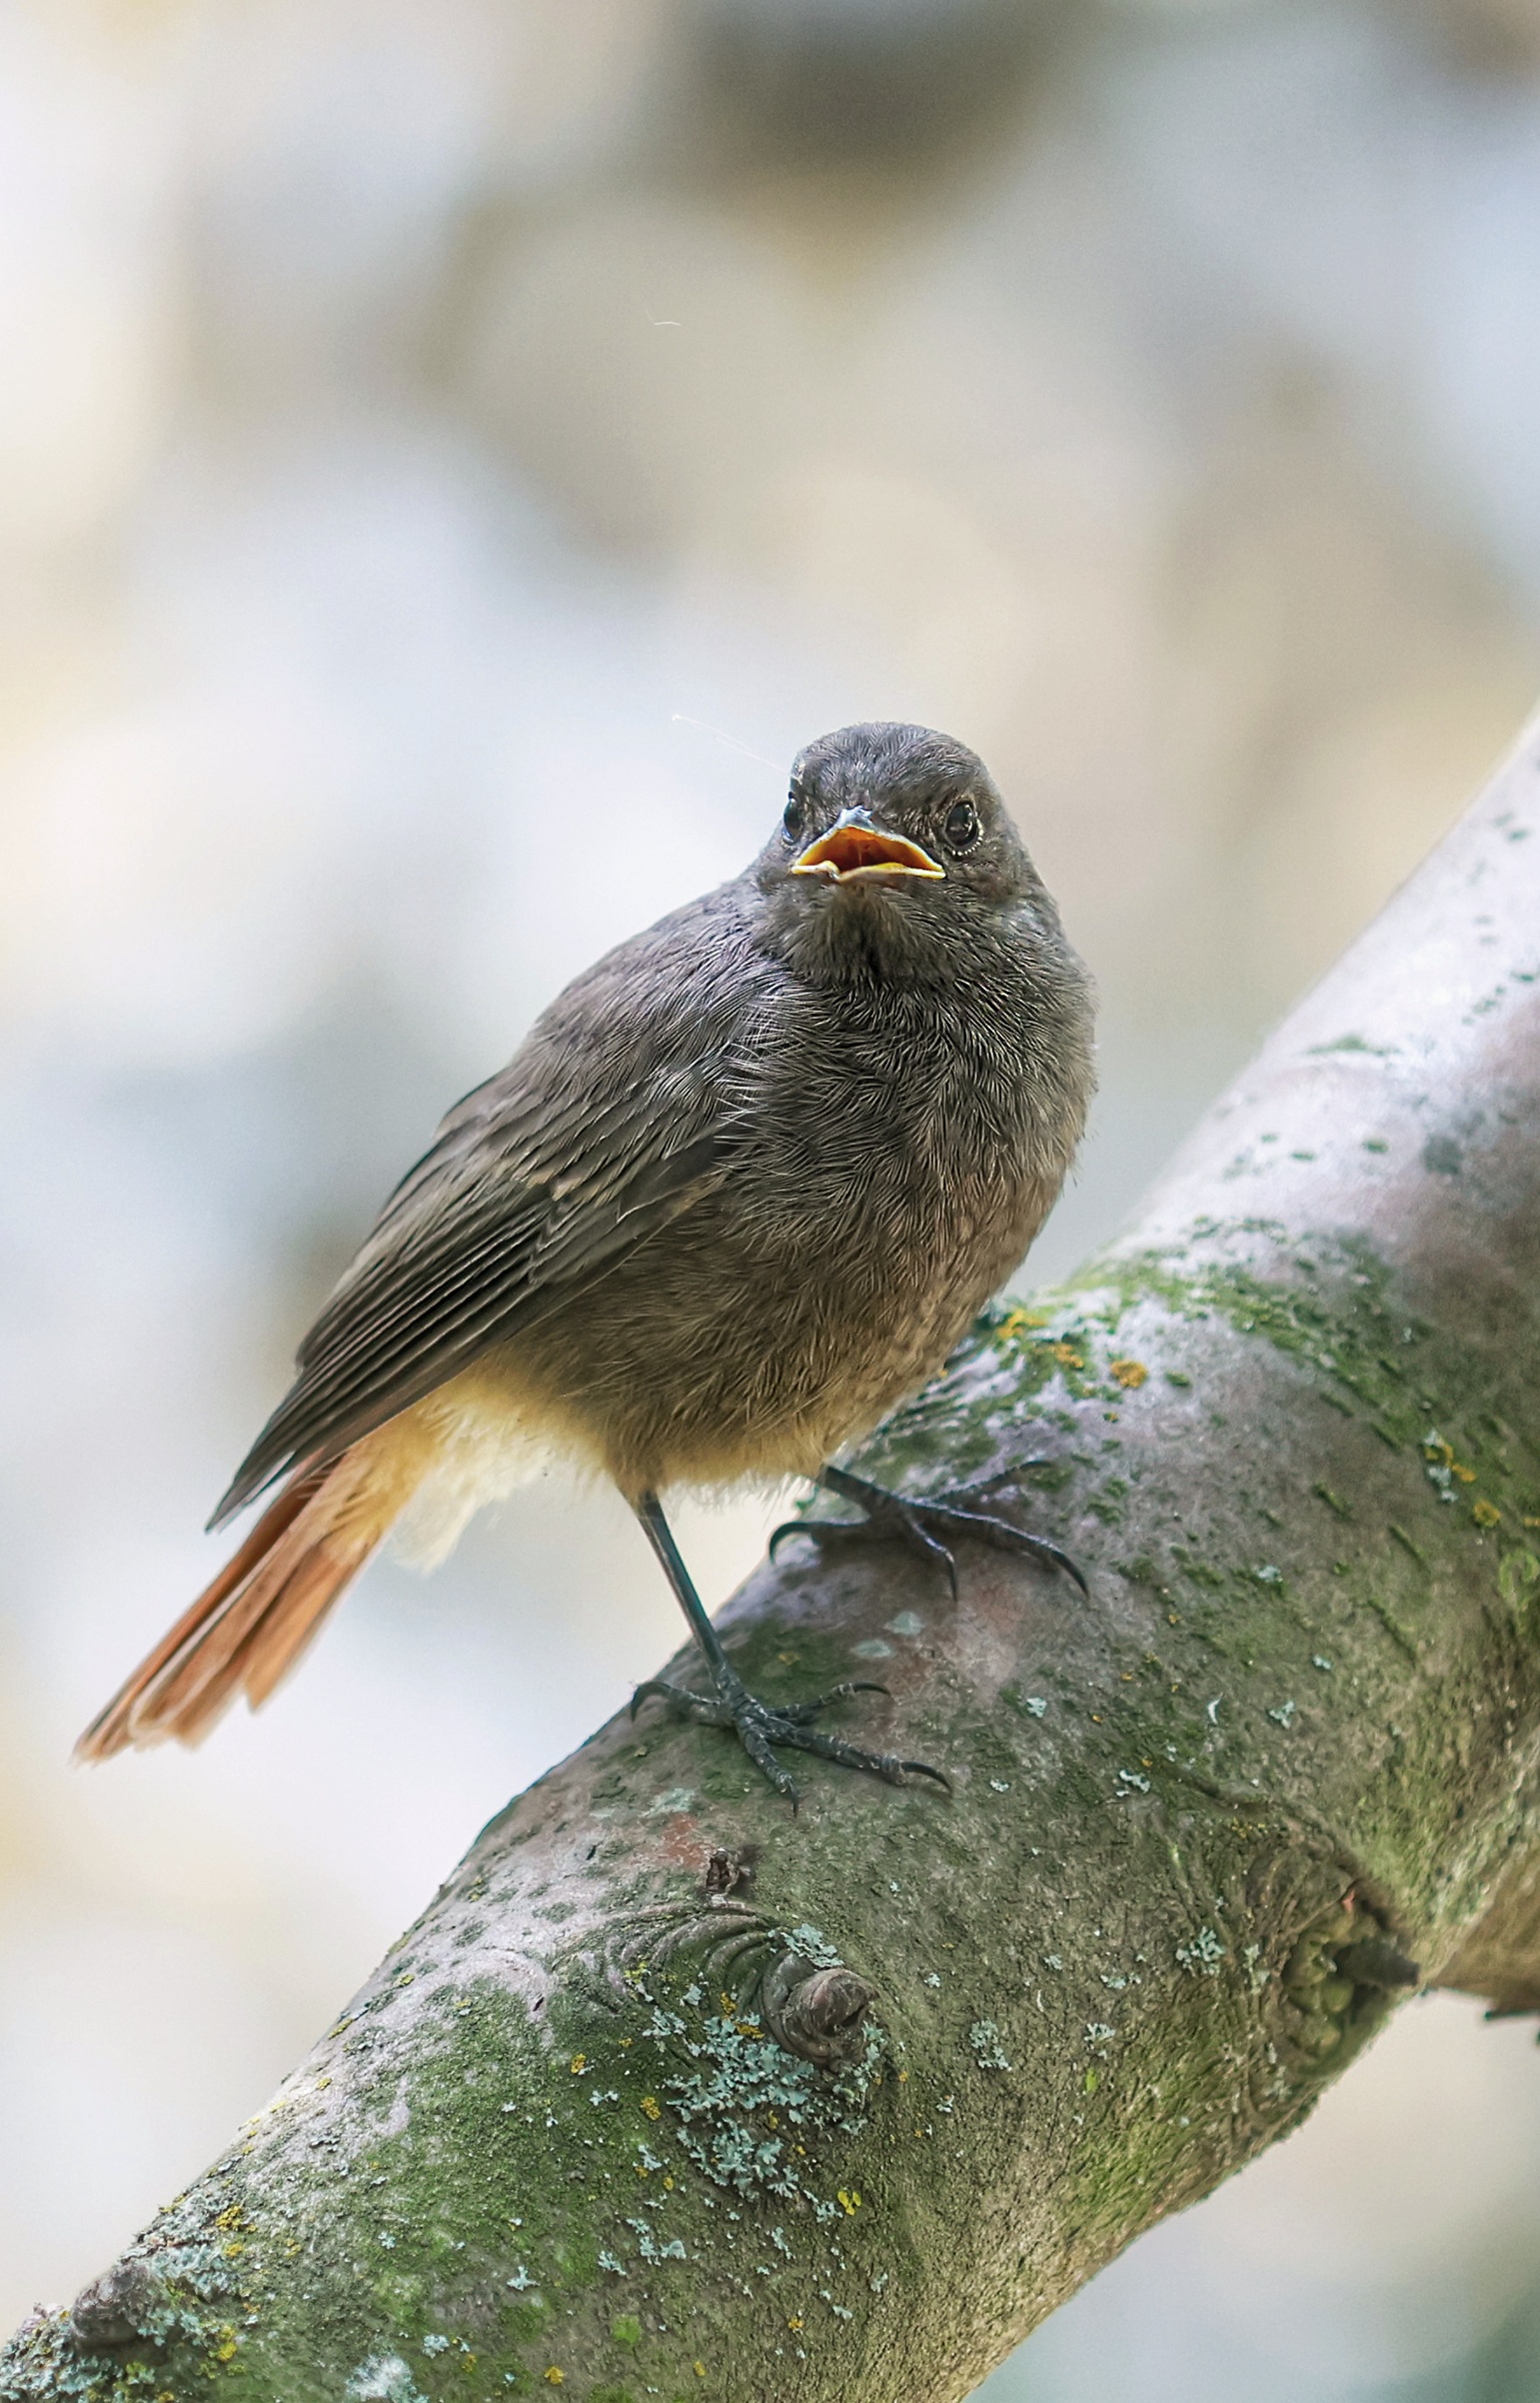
(679, 717)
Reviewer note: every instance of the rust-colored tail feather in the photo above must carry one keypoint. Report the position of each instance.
(249, 1627)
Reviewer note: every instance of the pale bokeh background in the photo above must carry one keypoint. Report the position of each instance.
(452, 452)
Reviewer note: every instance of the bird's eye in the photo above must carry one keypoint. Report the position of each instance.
(961, 829)
(795, 817)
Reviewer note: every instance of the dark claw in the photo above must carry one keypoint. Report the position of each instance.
(694, 1706)
(787, 1526)
(922, 1522)
(755, 1739)
(823, 1531)
(1008, 1538)
(853, 1756)
(762, 1724)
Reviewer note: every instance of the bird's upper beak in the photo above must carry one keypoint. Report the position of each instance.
(856, 850)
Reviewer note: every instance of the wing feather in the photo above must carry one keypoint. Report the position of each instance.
(624, 1106)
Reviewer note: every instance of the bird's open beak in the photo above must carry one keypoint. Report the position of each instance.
(856, 850)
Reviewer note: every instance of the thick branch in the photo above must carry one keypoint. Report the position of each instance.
(669, 2093)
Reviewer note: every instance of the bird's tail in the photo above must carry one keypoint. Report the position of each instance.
(247, 1631)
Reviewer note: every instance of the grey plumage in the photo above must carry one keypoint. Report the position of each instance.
(749, 1175)
(738, 1192)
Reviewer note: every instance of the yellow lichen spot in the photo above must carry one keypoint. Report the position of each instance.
(796, 2325)
(1467, 1477)
(849, 2201)
(578, 2063)
(1067, 1356)
(231, 2218)
(323, 2081)
(903, 2077)
(233, 2249)
(1132, 1373)
(469, 2365)
(1435, 1449)
(641, 2168)
(668, 2182)
(407, 1977)
(555, 2377)
(774, 2119)
(652, 2106)
(1485, 1513)
(1015, 1321)
(699, 2368)
(1529, 1523)
(224, 2349)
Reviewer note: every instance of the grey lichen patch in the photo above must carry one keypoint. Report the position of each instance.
(126, 2304)
(1203, 1954)
(760, 2041)
(182, 2291)
(384, 2379)
(984, 2037)
(748, 2113)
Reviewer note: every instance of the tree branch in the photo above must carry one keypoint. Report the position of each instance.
(669, 2093)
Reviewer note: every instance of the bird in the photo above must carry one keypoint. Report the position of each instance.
(738, 1193)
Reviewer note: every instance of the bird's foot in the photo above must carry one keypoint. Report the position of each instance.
(928, 1525)
(760, 1726)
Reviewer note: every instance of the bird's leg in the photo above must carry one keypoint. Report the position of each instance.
(760, 1724)
(929, 1526)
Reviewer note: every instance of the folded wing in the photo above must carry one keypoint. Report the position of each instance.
(621, 1111)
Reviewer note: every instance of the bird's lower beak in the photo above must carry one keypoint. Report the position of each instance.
(856, 850)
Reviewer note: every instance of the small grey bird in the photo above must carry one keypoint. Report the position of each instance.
(740, 1190)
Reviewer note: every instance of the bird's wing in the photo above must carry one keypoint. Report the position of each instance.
(622, 1109)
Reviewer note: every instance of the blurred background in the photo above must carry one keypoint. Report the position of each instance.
(452, 453)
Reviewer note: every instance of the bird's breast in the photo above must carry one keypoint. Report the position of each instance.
(884, 1180)
(886, 1189)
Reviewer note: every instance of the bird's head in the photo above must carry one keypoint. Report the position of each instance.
(894, 843)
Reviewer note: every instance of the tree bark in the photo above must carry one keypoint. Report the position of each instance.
(669, 2092)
